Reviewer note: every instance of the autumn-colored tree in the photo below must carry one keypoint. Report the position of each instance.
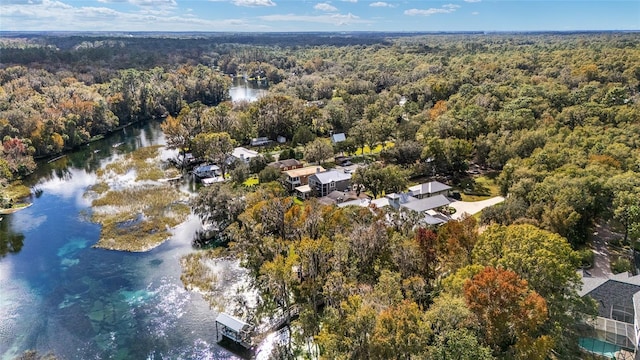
(400, 333)
(509, 313)
(347, 331)
(456, 240)
(17, 155)
(277, 279)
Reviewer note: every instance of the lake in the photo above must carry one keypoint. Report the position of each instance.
(60, 295)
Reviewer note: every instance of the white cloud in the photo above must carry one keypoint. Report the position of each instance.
(445, 9)
(153, 3)
(351, 1)
(325, 7)
(334, 19)
(381, 4)
(50, 15)
(253, 3)
(475, 13)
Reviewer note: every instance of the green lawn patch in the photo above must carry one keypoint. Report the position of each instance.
(479, 188)
(252, 181)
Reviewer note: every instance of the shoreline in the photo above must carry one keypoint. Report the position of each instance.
(14, 209)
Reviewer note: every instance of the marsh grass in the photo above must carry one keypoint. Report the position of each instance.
(207, 272)
(143, 161)
(137, 217)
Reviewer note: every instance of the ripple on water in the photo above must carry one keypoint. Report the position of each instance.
(200, 349)
(16, 300)
(170, 306)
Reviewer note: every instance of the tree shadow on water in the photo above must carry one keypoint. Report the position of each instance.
(10, 242)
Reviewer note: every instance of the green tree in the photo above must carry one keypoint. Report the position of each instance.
(347, 331)
(303, 136)
(548, 263)
(214, 147)
(218, 205)
(318, 151)
(377, 178)
(269, 174)
(626, 202)
(277, 279)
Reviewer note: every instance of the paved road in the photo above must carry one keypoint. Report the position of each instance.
(474, 207)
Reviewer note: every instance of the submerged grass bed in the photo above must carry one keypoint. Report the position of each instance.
(220, 280)
(138, 215)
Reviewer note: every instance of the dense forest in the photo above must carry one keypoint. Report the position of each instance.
(556, 115)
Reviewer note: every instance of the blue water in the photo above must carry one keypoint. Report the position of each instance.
(599, 347)
(59, 294)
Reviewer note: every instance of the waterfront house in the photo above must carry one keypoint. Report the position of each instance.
(339, 197)
(207, 171)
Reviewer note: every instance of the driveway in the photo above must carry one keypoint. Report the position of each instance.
(600, 238)
(474, 207)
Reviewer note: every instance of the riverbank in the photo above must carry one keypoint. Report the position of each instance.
(14, 209)
(12, 194)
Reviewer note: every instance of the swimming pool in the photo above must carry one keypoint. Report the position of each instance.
(599, 347)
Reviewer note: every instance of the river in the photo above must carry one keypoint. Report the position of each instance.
(60, 295)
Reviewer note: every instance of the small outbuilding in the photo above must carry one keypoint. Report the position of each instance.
(233, 329)
(339, 137)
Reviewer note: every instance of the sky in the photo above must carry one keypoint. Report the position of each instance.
(329, 15)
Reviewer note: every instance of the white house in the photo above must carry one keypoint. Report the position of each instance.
(244, 154)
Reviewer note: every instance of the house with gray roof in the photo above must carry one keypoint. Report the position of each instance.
(429, 203)
(615, 331)
(432, 188)
(324, 183)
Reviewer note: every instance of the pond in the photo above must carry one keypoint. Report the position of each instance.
(243, 89)
(60, 295)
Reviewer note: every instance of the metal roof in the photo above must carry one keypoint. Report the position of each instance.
(332, 175)
(431, 187)
(231, 322)
(426, 203)
(339, 137)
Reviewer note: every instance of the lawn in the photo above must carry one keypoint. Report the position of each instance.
(479, 188)
(252, 181)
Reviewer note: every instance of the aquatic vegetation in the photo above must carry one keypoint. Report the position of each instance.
(136, 215)
(144, 162)
(100, 187)
(220, 280)
(10, 195)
